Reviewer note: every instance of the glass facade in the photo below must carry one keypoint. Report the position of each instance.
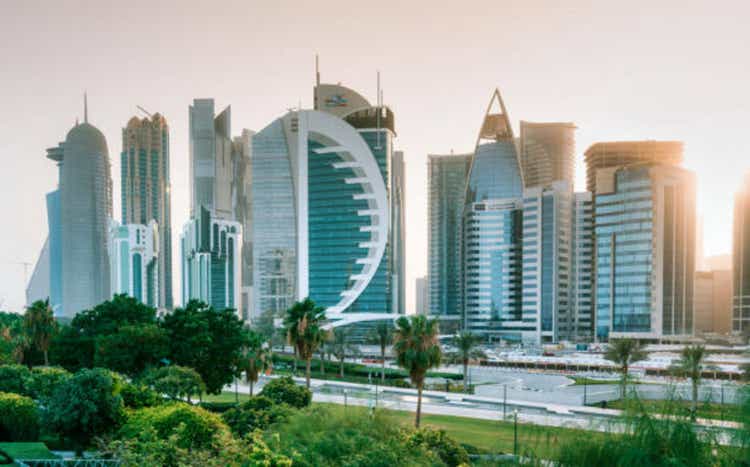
(55, 251)
(547, 153)
(495, 173)
(741, 260)
(582, 266)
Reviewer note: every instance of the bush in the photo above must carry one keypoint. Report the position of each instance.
(15, 379)
(195, 427)
(258, 413)
(218, 407)
(447, 449)
(44, 381)
(19, 418)
(176, 382)
(285, 391)
(138, 396)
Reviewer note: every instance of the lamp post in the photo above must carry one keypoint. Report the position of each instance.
(505, 399)
(515, 432)
(585, 390)
(346, 392)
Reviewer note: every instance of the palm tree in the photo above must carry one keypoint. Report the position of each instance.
(303, 324)
(340, 346)
(40, 325)
(255, 357)
(382, 336)
(466, 343)
(417, 350)
(624, 352)
(690, 365)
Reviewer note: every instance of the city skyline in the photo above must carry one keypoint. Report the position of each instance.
(645, 107)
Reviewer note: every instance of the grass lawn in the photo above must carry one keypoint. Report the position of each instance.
(27, 450)
(715, 411)
(227, 396)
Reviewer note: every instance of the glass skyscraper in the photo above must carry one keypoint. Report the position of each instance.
(133, 252)
(146, 190)
(582, 267)
(547, 153)
(741, 260)
(447, 187)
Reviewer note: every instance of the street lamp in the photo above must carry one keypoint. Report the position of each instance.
(346, 392)
(515, 432)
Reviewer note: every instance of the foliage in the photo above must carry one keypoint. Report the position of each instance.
(195, 427)
(285, 391)
(417, 349)
(438, 442)
(132, 350)
(466, 345)
(40, 325)
(258, 413)
(86, 405)
(14, 343)
(207, 340)
(690, 365)
(340, 347)
(335, 437)
(19, 418)
(72, 350)
(624, 352)
(138, 396)
(14, 379)
(303, 323)
(382, 336)
(176, 382)
(42, 381)
(110, 316)
(255, 357)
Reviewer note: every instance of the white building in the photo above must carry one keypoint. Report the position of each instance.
(133, 254)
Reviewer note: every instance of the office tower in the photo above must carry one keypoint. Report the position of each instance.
(242, 209)
(323, 207)
(397, 191)
(211, 260)
(446, 178)
(492, 230)
(422, 302)
(547, 153)
(546, 313)
(211, 167)
(741, 260)
(713, 302)
(38, 287)
(134, 266)
(621, 153)
(582, 267)
(645, 251)
(146, 190)
(85, 207)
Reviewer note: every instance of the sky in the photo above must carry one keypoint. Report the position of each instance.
(676, 70)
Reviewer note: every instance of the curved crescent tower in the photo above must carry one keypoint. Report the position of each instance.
(85, 207)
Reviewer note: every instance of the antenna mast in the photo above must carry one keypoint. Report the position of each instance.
(85, 107)
(144, 111)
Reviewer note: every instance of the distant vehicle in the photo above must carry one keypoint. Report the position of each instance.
(547, 353)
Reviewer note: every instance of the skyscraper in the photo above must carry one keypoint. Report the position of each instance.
(134, 253)
(645, 251)
(492, 230)
(582, 266)
(741, 260)
(713, 301)
(446, 176)
(547, 153)
(85, 207)
(242, 207)
(422, 299)
(397, 192)
(622, 153)
(146, 190)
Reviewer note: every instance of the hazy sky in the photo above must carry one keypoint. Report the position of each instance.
(619, 70)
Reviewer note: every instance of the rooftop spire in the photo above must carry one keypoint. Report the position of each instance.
(317, 70)
(85, 108)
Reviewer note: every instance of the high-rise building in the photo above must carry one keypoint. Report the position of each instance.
(645, 251)
(547, 153)
(146, 190)
(134, 266)
(242, 207)
(492, 231)
(82, 220)
(621, 153)
(546, 264)
(327, 209)
(211, 261)
(741, 260)
(421, 304)
(713, 302)
(446, 176)
(582, 267)
(397, 191)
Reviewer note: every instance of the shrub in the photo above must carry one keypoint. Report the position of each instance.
(439, 443)
(15, 379)
(138, 396)
(258, 413)
(176, 382)
(195, 427)
(19, 418)
(44, 380)
(285, 391)
(218, 407)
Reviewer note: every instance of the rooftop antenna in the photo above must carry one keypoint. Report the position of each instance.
(317, 70)
(144, 110)
(85, 108)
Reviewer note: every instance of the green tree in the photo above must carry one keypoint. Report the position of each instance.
(285, 391)
(109, 316)
(133, 349)
(209, 341)
(72, 350)
(691, 366)
(43, 381)
(624, 352)
(417, 350)
(341, 347)
(303, 324)
(87, 405)
(382, 336)
(258, 413)
(14, 379)
(176, 382)
(40, 326)
(19, 418)
(255, 358)
(466, 350)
